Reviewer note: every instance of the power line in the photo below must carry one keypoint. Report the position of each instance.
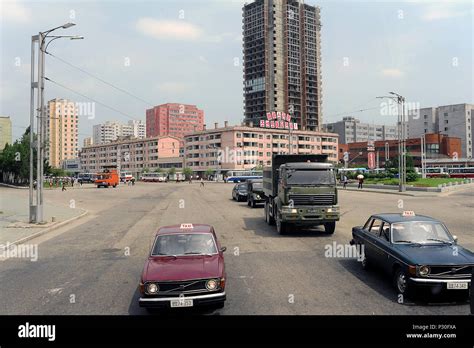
(94, 100)
(100, 79)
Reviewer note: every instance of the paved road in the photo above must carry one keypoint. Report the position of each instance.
(92, 266)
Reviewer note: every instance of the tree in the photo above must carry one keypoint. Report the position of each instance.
(172, 171)
(188, 172)
(158, 170)
(209, 172)
(145, 170)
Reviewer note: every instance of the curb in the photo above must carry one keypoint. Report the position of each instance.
(15, 187)
(49, 229)
(384, 192)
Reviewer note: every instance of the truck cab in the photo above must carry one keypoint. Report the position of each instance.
(300, 190)
(108, 178)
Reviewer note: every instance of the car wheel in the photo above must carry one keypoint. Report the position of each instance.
(248, 202)
(282, 227)
(330, 227)
(254, 205)
(401, 282)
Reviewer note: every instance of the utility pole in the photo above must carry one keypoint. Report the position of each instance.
(400, 100)
(36, 214)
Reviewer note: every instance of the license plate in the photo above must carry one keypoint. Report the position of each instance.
(312, 211)
(181, 303)
(457, 286)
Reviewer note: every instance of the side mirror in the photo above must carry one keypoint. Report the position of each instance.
(455, 239)
(223, 249)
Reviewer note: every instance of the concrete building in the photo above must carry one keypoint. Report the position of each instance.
(5, 131)
(438, 147)
(110, 131)
(61, 131)
(72, 165)
(282, 61)
(173, 120)
(133, 155)
(351, 130)
(451, 120)
(243, 147)
(88, 141)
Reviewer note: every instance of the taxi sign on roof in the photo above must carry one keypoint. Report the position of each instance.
(408, 213)
(186, 226)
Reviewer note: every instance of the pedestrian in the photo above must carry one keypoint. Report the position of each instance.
(202, 182)
(72, 182)
(63, 187)
(133, 181)
(344, 181)
(360, 177)
(190, 179)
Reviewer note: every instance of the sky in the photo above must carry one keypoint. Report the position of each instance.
(190, 52)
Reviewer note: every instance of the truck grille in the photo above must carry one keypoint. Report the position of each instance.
(450, 272)
(303, 199)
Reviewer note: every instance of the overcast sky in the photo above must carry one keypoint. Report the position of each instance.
(191, 51)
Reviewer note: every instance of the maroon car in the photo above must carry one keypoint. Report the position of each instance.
(185, 268)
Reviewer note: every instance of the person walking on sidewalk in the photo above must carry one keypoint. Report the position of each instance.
(63, 187)
(202, 182)
(360, 177)
(344, 181)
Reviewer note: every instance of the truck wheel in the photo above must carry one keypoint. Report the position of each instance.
(269, 219)
(115, 186)
(330, 227)
(282, 227)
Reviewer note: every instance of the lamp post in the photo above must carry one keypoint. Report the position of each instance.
(41, 40)
(400, 100)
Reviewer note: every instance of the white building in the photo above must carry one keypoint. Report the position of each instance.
(453, 120)
(351, 130)
(110, 131)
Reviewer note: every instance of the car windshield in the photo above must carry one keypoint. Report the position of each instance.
(311, 177)
(242, 187)
(422, 232)
(184, 244)
(257, 186)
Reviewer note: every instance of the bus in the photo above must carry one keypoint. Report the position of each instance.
(154, 177)
(86, 177)
(436, 172)
(462, 173)
(243, 175)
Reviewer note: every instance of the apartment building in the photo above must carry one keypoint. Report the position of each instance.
(110, 131)
(174, 119)
(133, 155)
(5, 131)
(244, 147)
(451, 120)
(351, 130)
(61, 131)
(282, 61)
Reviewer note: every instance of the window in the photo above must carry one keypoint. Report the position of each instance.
(375, 227)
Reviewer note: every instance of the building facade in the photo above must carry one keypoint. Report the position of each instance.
(451, 120)
(282, 61)
(110, 131)
(5, 131)
(173, 120)
(438, 147)
(243, 147)
(61, 131)
(88, 141)
(351, 130)
(133, 155)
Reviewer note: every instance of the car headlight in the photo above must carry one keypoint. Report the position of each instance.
(211, 284)
(257, 197)
(152, 288)
(333, 210)
(424, 270)
(289, 211)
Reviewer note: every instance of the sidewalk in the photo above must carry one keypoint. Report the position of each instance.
(14, 215)
(389, 191)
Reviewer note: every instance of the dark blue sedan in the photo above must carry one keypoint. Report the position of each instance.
(416, 250)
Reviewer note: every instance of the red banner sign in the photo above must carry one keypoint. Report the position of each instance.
(371, 160)
(278, 120)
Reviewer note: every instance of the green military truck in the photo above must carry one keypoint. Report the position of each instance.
(300, 190)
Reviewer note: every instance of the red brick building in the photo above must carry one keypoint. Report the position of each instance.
(174, 120)
(438, 146)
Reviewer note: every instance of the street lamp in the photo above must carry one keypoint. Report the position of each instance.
(400, 100)
(36, 210)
